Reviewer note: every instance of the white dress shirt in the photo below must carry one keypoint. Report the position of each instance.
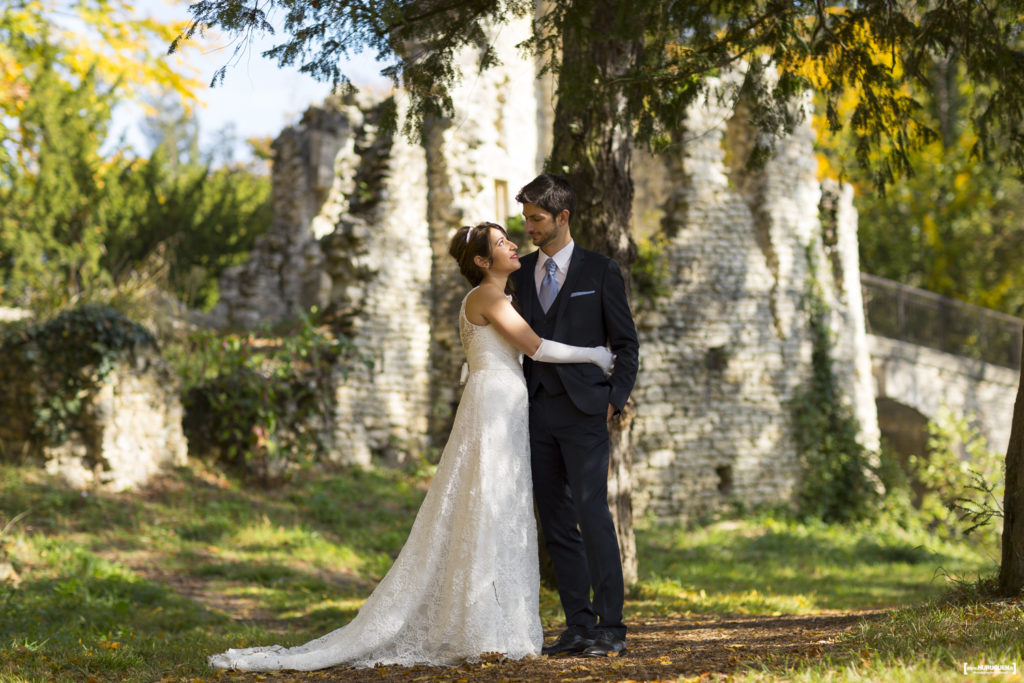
(561, 259)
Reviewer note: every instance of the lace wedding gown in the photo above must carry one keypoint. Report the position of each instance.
(466, 583)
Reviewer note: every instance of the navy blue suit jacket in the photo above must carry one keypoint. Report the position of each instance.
(591, 310)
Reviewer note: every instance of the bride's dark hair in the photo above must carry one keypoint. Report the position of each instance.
(467, 243)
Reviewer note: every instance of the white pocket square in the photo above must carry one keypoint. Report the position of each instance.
(589, 291)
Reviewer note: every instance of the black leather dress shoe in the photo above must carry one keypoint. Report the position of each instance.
(569, 643)
(606, 643)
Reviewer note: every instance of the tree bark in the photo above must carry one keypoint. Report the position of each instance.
(447, 287)
(1011, 569)
(592, 146)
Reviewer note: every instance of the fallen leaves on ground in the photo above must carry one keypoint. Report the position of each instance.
(698, 648)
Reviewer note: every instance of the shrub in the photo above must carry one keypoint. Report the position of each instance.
(51, 369)
(962, 480)
(650, 271)
(263, 402)
(838, 482)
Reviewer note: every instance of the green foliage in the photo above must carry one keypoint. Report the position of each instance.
(80, 227)
(650, 271)
(263, 402)
(954, 225)
(836, 479)
(106, 37)
(52, 188)
(961, 480)
(952, 491)
(194, 220)
(515, 225)
(70, 357)
(952, 228)
(667, 51)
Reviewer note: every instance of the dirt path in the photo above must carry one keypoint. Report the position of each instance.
(662, 649)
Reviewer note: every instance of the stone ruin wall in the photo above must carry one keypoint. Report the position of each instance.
(364, 234)
(476, 163)
(361, 229)
(724, 352)
(349, 236)
(129, 427)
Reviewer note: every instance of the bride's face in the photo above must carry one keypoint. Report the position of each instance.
(504, 253)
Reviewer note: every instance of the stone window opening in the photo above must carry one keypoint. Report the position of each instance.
(724, 473)
(501, 202)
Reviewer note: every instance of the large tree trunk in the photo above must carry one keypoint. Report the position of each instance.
(447, 287)
(1011, 569)
(592, 146)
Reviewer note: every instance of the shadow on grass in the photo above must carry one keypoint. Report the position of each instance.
(767, 566)
(80, 626)
(154, 580)
(217, 564)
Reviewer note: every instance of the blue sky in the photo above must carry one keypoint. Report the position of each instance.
(256, 96)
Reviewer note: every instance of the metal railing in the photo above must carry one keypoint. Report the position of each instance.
(927, 319)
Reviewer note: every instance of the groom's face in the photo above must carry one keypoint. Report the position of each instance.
(541, 226)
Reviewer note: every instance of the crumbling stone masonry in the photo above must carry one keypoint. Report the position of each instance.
(729, 345)
(121, 427)
(361, 229)
(362, 226)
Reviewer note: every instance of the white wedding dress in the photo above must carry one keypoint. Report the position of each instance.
(466, 583)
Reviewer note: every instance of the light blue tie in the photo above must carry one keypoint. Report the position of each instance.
(549, 285)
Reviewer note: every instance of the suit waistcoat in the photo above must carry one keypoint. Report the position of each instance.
(546, 374)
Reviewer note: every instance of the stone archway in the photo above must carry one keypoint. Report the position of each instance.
(904, 431)
(904, 428)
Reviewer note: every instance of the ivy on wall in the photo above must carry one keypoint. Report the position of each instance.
(837, 482)
(50, 370)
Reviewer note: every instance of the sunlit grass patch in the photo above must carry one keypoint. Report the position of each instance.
(937, 641)
(767, 565)
(78, 616)
(667, 596)
(139, 587)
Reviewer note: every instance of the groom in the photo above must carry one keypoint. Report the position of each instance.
(575, 296)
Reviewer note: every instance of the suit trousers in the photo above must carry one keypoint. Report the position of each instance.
(569, 457)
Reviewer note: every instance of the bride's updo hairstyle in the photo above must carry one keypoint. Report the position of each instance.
(470, 242)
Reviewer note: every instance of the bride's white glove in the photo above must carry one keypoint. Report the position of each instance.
(557, 352)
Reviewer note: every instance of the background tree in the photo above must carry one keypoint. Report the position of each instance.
(954, 225)
(78, 223)
(52, 186)
(600, 42)
(188, 221)
(173, 129)
(649, 60)
(104, 38)
(186, 213)
(63, 67)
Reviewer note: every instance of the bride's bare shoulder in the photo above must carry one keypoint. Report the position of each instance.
(481, 300)
(484, 294)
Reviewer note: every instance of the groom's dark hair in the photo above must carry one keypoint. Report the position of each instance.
(550, 192)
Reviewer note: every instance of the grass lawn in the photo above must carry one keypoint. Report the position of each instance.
(141, 587)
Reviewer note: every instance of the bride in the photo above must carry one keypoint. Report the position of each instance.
(466, 582)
